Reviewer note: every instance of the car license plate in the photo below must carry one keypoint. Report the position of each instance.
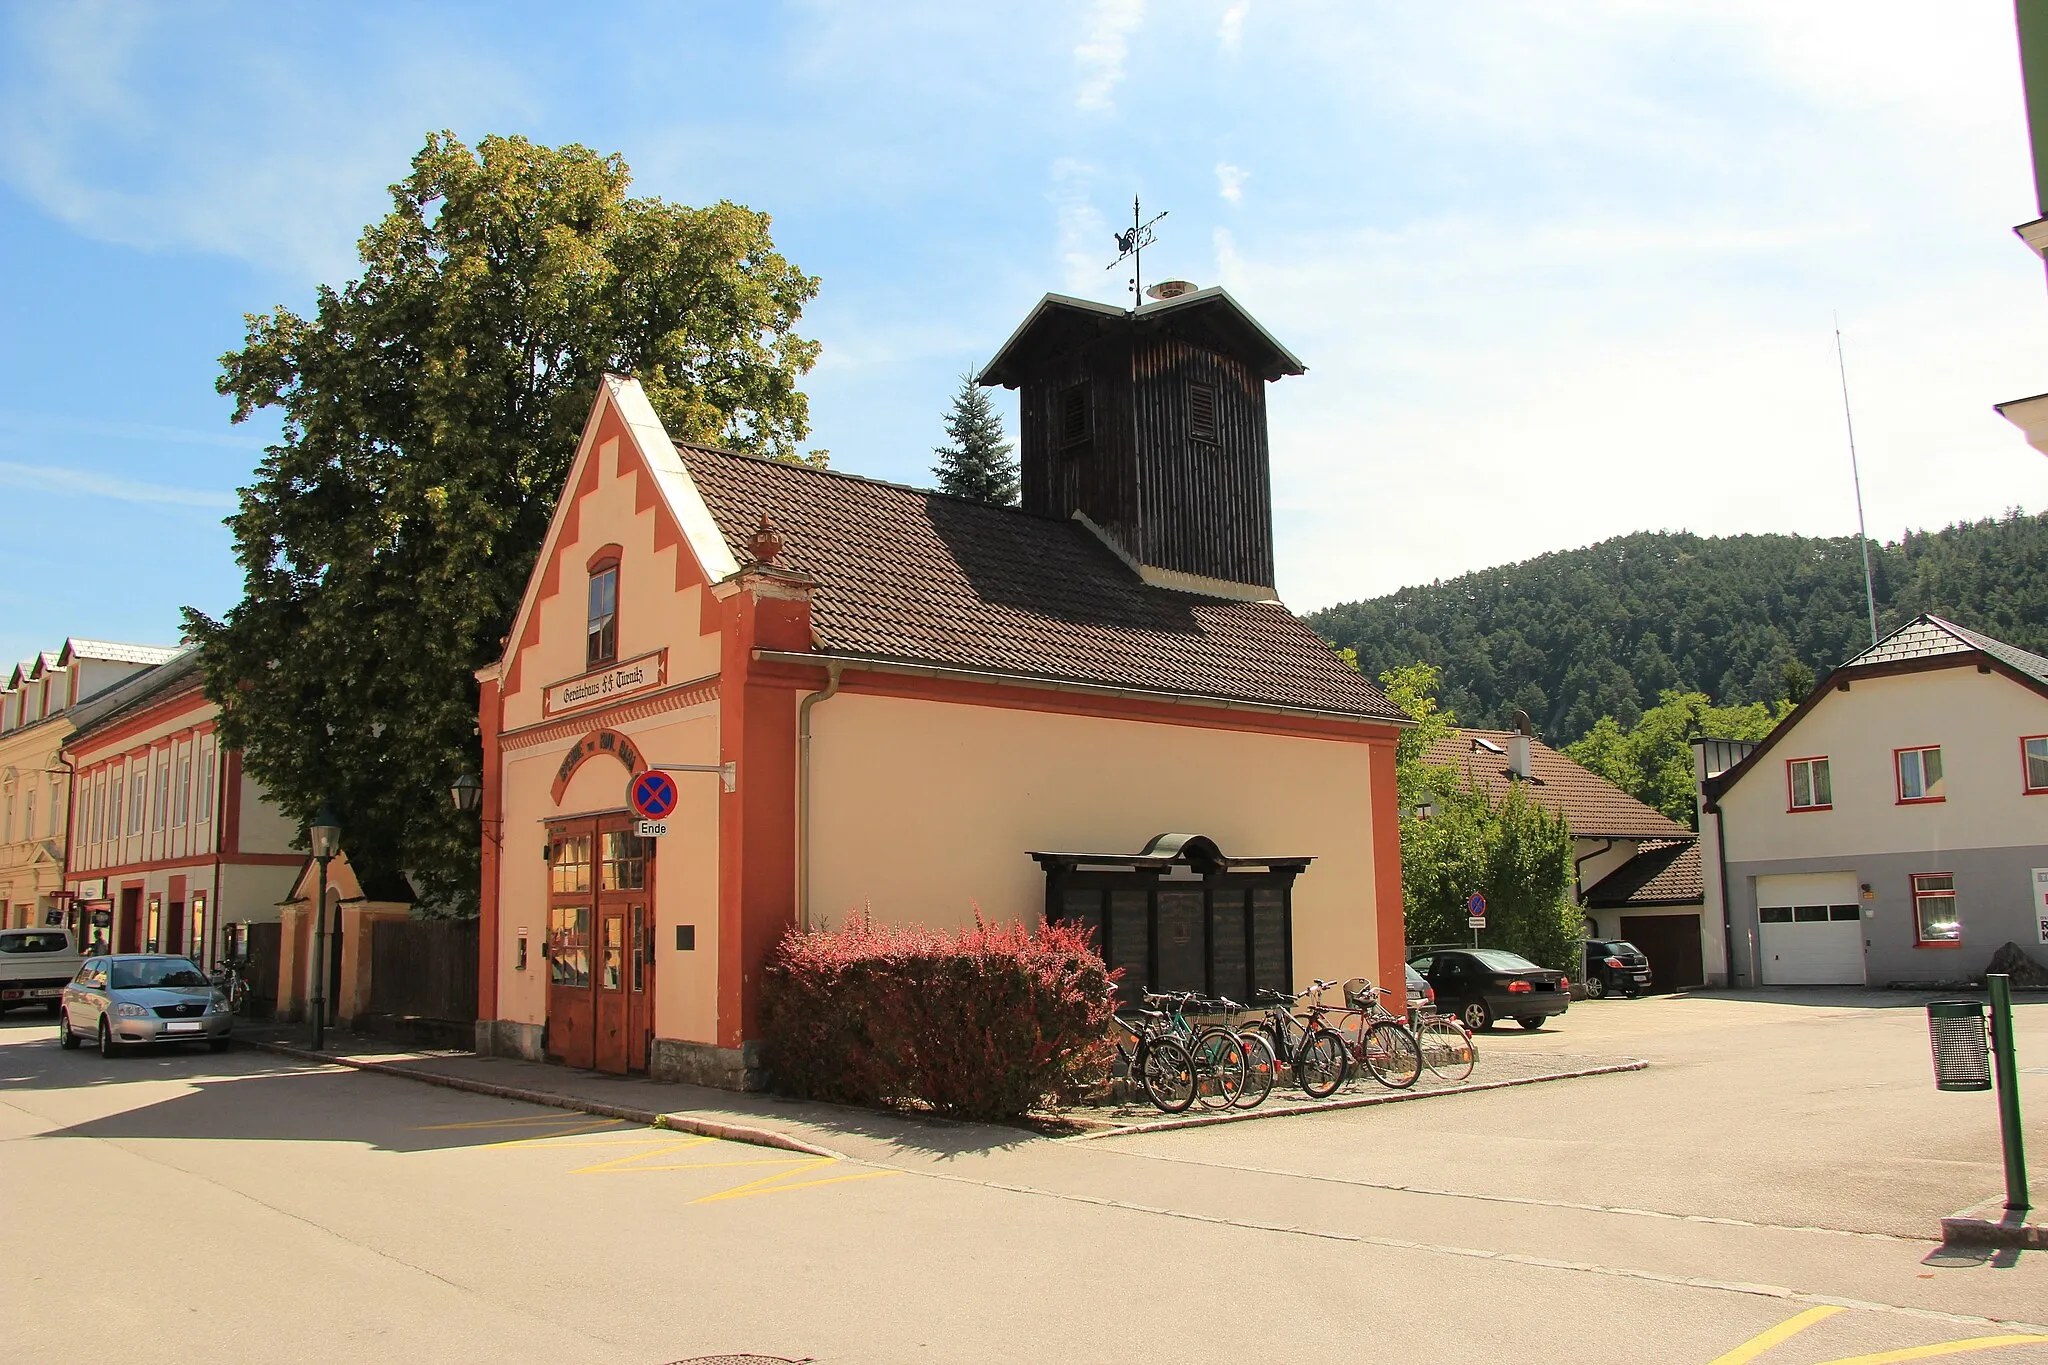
(46, 993)
(183, 1026)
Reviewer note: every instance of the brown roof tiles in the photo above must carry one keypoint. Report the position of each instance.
(1595, 807)
(919, 577)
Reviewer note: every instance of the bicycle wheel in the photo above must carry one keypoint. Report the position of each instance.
(1167, 1074)
(1322, 1064)
(1219, 1068)
(1391, 1055)
(1261, 1068)
(1447, 1049)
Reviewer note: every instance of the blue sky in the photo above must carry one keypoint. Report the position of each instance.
(1556, 275)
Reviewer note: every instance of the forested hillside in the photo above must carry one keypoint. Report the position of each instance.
(1581, 634)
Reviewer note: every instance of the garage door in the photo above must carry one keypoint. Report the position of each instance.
(1672, 943)
(1810, 930)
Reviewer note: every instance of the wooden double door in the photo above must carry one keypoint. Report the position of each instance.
(599, 946)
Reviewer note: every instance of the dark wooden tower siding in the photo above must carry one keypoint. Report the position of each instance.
(1153, 425)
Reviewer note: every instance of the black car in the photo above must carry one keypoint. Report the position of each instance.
(1615, 964)
(1480, 985)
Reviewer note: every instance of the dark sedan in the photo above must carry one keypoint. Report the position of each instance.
(1481, 985)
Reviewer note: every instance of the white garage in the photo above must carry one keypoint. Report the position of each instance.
(1810, 929)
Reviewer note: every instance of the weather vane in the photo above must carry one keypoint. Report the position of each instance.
(1131, 246)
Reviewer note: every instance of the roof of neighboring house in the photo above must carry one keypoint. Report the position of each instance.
(913, 576)
(1660, 874)
(1923, 643)
(180, 675)
(110, 651)
(1594, 807)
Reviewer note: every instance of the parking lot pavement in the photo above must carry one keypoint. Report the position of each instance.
(247, 1207)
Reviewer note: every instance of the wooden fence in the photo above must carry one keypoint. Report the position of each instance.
(424, 970)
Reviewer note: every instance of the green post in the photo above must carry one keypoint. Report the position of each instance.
(2008, 1093)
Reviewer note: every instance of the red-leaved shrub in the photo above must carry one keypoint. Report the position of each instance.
(980, 1024)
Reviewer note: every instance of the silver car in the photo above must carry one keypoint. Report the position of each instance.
(142, 998)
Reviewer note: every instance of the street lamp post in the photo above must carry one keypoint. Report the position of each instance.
(323, 834)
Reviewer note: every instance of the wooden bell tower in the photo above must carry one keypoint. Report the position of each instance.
(1152, 426)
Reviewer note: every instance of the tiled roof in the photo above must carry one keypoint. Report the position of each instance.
(1661, 874)
(1928, 635)
(918, 577)
(1595, 807)
(114, 652)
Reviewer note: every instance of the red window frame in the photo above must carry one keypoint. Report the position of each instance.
(1913, 895)
(605, 561)
(2027, 786)
(1899, 781)
(1794, 806)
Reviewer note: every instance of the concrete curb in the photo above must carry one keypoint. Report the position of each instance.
(680, 1121)
(1990, 1224)
(1352, 1102)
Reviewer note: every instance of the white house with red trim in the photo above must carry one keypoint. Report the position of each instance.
(1895, 826)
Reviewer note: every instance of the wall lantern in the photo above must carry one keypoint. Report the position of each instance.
(468, 793)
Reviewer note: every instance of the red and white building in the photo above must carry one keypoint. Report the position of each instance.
(169, 839)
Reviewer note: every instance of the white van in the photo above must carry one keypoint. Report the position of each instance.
(35, 966)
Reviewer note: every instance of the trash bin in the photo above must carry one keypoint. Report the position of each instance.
(1962, 1052)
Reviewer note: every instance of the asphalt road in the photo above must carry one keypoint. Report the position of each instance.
(1781, 1152)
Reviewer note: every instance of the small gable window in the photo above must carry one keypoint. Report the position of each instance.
(1812, 789)
(602, 640)
(2034, 758)
(1202, 411)
(1920, 775)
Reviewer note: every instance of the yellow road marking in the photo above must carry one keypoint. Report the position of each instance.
(661, 1150)
(780, 1182)
(1784, 1331)
(1941, 1348)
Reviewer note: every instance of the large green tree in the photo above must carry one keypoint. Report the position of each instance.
(430, 408)
(977, 463)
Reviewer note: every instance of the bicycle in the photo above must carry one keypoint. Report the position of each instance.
(1315, 1051)
(1446, 1044)
(1379, 1041)
(1158, 1063)
(1222, 1065)
(229, 981)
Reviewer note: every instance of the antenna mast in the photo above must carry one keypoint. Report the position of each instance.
(1856, 475)
(1131, 245)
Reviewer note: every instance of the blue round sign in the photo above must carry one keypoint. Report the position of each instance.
(653, 795)
(1475, 905)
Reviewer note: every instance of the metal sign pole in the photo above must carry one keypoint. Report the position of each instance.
(2016, 1200)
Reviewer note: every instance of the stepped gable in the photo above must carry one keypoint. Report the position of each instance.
(913, 576)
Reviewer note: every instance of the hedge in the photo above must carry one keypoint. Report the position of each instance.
(983, 1023)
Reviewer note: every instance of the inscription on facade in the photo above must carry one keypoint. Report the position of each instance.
(607, 684)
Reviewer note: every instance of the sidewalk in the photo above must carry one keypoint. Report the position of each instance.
(842, 1131)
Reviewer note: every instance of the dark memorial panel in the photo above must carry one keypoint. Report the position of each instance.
(1130, 935)
(1269, 938)
(1084, 907)
(1227, 942)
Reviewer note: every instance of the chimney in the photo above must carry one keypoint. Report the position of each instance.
(1518, 747)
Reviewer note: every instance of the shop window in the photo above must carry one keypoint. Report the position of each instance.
(625, 861)
(154, 925)
(1812, 787)
(199, 944)
(2034, 763)
(602, 639)
(1935, 922)
(569, 864)
(1920, 774)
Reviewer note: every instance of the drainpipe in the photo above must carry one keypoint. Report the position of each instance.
(803, 793)
(1606, 846)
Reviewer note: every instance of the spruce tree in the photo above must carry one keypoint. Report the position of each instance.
(977, 464)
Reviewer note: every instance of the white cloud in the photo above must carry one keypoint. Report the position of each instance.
(80, 483)
(1230, 31)
(1230, 181)
(1099, 57)
(135, 126)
